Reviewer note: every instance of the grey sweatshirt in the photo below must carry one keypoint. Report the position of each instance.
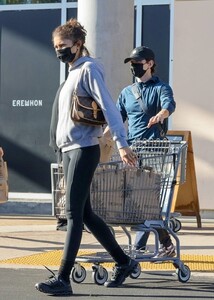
(70, 135)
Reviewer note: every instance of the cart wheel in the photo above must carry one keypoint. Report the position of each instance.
(172, 225)
(136, 272)
(176, 265)
(78, 274)
(177, 225)
(184, 276)
(99, 275)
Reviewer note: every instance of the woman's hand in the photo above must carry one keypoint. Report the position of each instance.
(128, 156)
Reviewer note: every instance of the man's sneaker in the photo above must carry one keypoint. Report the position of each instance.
(120, 273)
(55, 285)
(166, 252)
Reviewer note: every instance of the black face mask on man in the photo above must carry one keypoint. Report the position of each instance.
(65, 55)
(137, 70)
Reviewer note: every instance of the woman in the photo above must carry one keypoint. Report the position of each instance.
(80, 155)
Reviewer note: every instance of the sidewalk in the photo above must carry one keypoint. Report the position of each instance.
(22, 239)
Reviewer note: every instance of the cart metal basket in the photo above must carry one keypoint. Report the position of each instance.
(117, 197)
(130, 195)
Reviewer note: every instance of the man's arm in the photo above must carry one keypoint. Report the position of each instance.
(167, 106)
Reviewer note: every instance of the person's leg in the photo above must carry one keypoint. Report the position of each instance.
(124, 264)
(141, 239)
(167, 247)
(164, 237)
(79, 166)
(79, 170)
(103, 234)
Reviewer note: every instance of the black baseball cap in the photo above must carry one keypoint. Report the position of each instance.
(140, 53)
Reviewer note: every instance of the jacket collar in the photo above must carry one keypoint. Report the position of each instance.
(153, 79)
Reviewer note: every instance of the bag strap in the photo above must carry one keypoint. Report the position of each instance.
(78, 79)
(139, 97)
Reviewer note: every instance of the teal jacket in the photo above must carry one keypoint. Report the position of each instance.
(156, 96)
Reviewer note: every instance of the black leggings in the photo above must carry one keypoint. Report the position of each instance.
(79, 166)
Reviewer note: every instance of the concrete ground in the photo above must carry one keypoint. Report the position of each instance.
(31, 235)
(27, 243)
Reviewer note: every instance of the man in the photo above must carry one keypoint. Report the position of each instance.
(146, 105)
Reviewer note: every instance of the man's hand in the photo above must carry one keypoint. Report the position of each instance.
(163, 114)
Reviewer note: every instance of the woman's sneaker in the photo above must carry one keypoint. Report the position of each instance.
(120, 273)
(55, 285)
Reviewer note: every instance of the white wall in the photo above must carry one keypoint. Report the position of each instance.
(110, 33)
(194, 87)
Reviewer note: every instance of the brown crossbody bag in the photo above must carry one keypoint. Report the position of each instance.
(85, 109)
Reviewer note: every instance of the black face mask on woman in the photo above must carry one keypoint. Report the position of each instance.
(137, 70)
(65, 55)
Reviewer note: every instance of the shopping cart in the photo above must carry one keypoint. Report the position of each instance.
(137, 199)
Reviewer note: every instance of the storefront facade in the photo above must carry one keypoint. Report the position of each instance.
(30, 74)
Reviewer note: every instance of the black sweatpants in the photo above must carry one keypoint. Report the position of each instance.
(79, 166)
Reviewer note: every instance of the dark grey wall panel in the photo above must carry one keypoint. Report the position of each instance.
(156, 35)
(29, 78)
(71, 13)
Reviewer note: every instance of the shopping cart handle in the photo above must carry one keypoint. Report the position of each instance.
(147, 168)
(111, 163)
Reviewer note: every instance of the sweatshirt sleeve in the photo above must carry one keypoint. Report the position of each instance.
(95, 86)
(54, 121)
